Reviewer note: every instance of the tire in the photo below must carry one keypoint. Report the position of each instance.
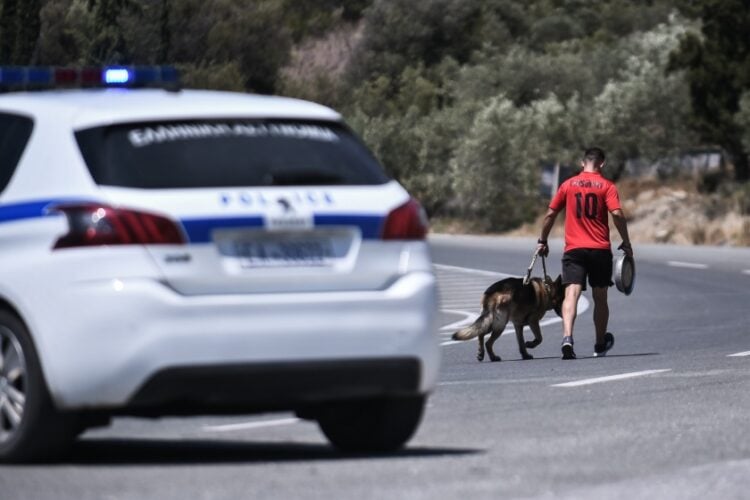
(377, 425)
(31, 428)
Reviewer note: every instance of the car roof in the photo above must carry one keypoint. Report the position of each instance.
(96, 107)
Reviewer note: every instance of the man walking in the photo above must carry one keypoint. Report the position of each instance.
(587, 199)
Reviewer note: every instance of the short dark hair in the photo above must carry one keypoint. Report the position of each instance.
(594, 154)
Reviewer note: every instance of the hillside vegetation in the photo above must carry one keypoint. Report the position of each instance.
(461, 101)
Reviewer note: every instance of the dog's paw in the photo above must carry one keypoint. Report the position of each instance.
(530, 344)
(495, 358)
(527, 356)
(480, 357)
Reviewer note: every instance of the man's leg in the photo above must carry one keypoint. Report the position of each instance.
(574, 281)
(601, 312)
(601, 280)
(570, 308)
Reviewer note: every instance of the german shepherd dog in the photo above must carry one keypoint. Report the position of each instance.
(511, 300)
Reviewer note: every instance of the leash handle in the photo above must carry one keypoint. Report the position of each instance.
(531, 267)
(527, 278)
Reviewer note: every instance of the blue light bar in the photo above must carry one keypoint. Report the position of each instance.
(146, 75)
(45, 77)
(10, 75)
(39, 76)
(116, 76)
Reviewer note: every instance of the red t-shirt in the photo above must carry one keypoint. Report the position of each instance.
(587, 199)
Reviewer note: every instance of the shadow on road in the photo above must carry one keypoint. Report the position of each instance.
(633, 355)
(191, 451)
(540, 358)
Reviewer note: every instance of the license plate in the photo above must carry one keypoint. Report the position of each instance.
(284, 252)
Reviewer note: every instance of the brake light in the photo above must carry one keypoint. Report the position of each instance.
(407, 222)
(93, 224)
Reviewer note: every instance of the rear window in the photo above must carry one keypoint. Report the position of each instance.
(228, 153)
(14, 135)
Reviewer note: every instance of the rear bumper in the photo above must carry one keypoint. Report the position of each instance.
(137, 345)
(247, 388)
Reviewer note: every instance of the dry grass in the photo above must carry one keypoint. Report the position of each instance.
(661, 212)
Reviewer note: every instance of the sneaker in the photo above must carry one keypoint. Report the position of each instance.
(600, 350)
(567, 348)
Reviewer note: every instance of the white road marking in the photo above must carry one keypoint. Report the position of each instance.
(469, 318)
(610, 378)
(687, 265)
(470, 270)
(242, 426)
(746, 271)
(739, 354)
(451, 342)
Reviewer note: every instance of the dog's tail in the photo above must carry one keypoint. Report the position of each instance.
(480, 326)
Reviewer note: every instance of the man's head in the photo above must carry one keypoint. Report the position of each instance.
(593, 158)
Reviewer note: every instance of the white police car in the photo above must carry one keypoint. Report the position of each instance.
(180, 252)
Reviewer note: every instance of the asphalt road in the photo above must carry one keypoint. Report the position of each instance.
(664, 415)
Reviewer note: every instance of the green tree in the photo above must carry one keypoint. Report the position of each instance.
(67, 30)
(249, 34)
(20, 24)
(8, 24)
(497, 164)
(165, 34)
(717, 62)
(108, 44)
(641, 113)
(399, 34)
(316, 17)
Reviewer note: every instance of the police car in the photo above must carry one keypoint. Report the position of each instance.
(185, 252)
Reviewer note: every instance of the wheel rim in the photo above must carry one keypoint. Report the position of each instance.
(12, 384)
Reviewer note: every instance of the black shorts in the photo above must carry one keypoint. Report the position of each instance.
(579, 263)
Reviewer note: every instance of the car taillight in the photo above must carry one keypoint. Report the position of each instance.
(96, 224)
(407, 222)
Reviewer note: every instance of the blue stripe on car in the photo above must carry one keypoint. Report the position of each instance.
(199, 230)
(16, 211)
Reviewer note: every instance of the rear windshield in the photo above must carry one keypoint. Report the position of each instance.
(227, 153)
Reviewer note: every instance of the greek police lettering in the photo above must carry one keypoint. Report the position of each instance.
(297, 131)
(169, 133)
(159, 134)
(301, 198)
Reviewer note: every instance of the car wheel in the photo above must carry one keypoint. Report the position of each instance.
(30, 427)
(378, 425)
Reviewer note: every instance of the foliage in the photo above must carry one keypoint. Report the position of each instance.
(399, 33)
(643, 112)
(717, 62)
(19, 30)
(743, 119)
(495, 165)
(316, 17)
(461, 101)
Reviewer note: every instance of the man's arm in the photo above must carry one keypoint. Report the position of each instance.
(549, 221)
(618, 217)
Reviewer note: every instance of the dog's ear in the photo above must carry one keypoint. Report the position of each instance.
(558, 310)
(557, 305)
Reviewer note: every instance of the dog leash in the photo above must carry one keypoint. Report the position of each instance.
(527, 279)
